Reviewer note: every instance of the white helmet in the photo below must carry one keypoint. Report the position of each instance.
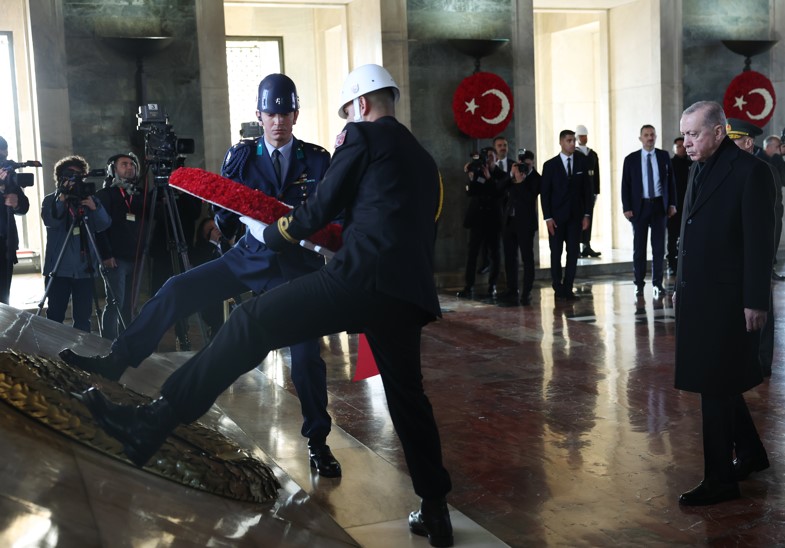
(362, 80)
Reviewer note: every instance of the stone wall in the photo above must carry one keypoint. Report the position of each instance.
(102, 75)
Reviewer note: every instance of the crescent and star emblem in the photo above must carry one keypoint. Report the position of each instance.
(472, 105)
(768, 103)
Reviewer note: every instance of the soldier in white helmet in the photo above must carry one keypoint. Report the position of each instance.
(379, 283)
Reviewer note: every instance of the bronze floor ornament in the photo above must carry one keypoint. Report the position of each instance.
(193, 455)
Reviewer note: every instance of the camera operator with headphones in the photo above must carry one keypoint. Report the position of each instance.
(14, 203)
(69, 261)
(119, 245)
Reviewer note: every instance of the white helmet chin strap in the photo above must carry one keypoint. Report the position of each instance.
(358, 116)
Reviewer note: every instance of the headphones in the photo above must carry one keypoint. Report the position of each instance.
(110, 173)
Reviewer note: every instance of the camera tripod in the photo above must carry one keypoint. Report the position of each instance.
(79, 220)
(177, 245)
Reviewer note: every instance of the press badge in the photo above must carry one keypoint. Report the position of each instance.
(130, 217)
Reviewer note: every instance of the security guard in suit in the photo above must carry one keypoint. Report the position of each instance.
(380, 282)
(287, 169)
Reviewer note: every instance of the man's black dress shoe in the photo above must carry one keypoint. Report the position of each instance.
(589, 252)
(710, 493)
(491, 291)
(432, 520)
(659, 291)
(743, 467)
(466, 293)
(107, 366)
(638, 289)
(776, 276)
(323, 461)
(526, 300)
(141, 429)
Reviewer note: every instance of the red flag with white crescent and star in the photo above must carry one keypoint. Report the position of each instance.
(482, 105)
(750, 96)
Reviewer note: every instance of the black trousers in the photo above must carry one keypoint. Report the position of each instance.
(567, 234)
(515, 238)
(488, 235)
(312, 306)
(6, 272)
(727, 428)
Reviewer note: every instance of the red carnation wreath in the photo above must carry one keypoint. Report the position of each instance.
(750, 97)
(482, 105)
(246, 201)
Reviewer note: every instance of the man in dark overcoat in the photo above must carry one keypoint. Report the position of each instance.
(722, 305)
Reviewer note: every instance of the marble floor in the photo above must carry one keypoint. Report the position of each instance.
(559, 425)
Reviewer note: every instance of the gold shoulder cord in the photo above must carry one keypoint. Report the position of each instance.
(441, 198)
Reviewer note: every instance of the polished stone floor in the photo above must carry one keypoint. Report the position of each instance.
(559, 425)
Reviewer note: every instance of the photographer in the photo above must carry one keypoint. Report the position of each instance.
(14, 203)
(65, 212)
(119, 245)
(485, 188)
(522, 225)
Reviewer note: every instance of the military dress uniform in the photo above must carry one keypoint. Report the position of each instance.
(380, 282)
(249, 265)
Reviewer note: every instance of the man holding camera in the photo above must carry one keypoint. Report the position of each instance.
(16, 203)
(287, 169)
(485, 188)
(522, 199)
(70, 261)
(119, 244)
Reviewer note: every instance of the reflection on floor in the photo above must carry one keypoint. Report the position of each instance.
(559, 424)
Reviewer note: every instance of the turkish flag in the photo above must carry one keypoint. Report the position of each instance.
(366, 365)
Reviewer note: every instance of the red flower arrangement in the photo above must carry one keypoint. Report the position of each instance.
(750, 96)
(482, 105)
(246, 201)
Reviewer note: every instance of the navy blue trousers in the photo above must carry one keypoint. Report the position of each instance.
(205, 285)
(652, 217)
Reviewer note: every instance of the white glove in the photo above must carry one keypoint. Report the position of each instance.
(256, 228)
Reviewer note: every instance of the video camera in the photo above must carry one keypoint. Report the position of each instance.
(251, 130)
(478, 163)
(524, 155)
(81, 189)
(22, 180)
(163, 151)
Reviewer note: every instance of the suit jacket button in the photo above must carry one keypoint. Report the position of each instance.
(684, 252)
(683, 284)
(689, 221)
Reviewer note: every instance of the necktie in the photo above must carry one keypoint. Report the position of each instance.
(500, 163)
(277, 164)
(650, 175)
(569, 167)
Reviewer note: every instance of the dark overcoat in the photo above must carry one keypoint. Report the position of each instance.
(726, 252)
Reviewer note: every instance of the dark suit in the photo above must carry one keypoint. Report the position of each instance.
(681, 172)
(521, 221)
(484, 220)
(566, 200)
(9, 237)
(248, 266)
(649, 213)
(593, 170)
(730, 216)
(380, 282)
